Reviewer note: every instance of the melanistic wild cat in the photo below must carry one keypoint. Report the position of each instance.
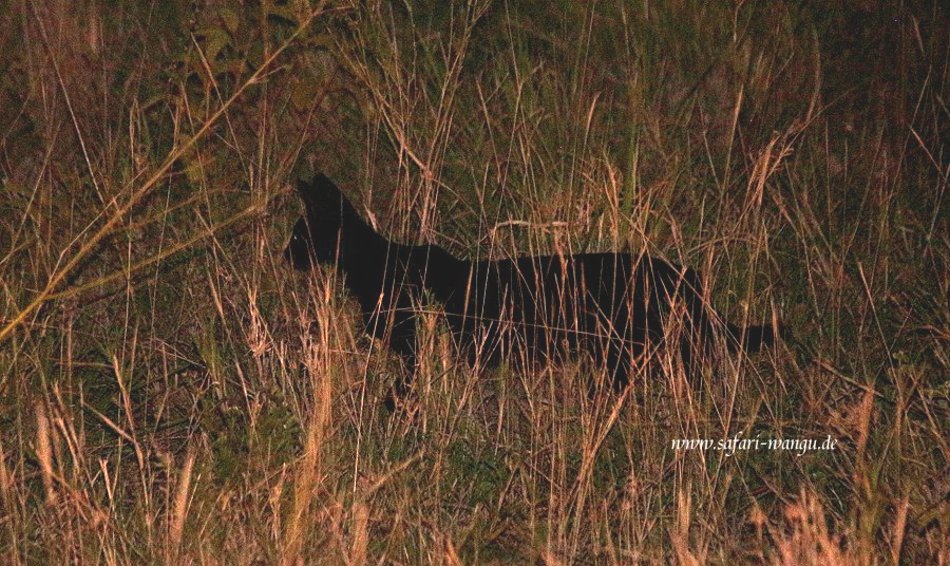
(615, 306)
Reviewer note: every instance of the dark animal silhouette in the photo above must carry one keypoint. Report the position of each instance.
(615, 306)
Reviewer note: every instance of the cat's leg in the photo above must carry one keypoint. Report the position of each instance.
(402, 340)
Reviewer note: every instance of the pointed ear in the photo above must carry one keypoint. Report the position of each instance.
(320, 193)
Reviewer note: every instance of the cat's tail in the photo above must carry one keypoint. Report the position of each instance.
(748, 339)
(754, 338)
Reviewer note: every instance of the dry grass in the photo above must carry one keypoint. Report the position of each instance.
(171, 392)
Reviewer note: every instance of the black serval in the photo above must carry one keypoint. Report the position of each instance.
(615, 306)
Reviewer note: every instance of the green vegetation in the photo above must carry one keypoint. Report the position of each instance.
(170, 391)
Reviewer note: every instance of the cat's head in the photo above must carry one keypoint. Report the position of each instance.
(315, 237)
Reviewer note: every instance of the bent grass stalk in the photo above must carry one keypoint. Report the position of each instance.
(60, 275)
